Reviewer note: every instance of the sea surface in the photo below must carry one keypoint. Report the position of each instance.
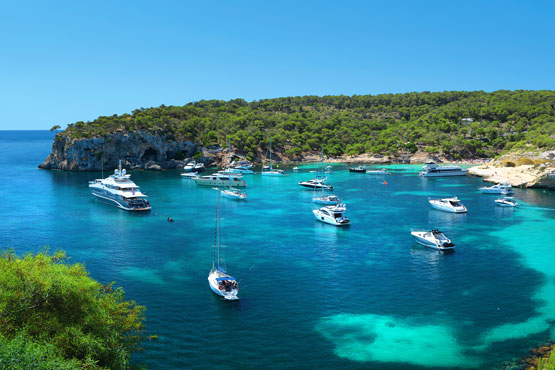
(313, 296)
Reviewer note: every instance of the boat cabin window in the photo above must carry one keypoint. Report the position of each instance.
(455, 203)
(337, 215)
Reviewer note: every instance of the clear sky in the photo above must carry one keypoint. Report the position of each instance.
(67, 61)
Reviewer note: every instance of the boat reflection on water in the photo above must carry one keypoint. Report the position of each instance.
(444, 219)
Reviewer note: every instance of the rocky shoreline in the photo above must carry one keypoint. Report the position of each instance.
(143, 150)
(526, 170)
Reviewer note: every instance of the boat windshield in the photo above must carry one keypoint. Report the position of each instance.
(455, 203)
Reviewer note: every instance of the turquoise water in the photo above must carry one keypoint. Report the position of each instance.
(312, 295)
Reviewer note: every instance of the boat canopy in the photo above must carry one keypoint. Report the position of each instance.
(228, 278)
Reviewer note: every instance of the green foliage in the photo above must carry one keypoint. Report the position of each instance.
(64, 315)
(388, 123)
(548, 364)
(55, 128)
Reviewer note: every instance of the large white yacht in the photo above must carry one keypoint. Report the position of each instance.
(505, 188)
(433, 239)
(431, 169)
(333, 215)
(118, 190)
(221, 179)
(453, 205)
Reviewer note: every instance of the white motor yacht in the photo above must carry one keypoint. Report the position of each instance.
(219, 179)
(430, 169)
(506, 202)
(119, 191)
(359, 169)
(505, 188)
(220, 282)
(333, 215)
(453, 205)
(317, 183)
(189, 175)
(245, 170)
(327, 199)
(190, 166)
(233, 193)
(433, 239)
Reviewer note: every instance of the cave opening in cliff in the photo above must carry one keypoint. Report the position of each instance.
(150, 155)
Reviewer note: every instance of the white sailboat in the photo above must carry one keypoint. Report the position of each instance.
(221, 283)
(269, 171)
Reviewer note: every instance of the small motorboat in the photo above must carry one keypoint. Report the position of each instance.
(317, 183)
(359, 169)
(190, 166)
(333, 215)
(506, 202)
(233, 193)
(453, 205)
(327, 199)
(381, 171)
(295, 168)
(199, 167)
(433, 239)
(505, 188)
(189, 175)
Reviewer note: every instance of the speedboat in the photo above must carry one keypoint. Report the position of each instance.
(190, 166)
(333, 215)
(327, 199)
(221, 283)
(453, 205)
(189, 175)
(433, 239)
(506, 202)
(381, 171)
(359, 169)
(119, 191)
(430, 169)
(219, 179)
(295, 168)
(505, 188)
(233, 193)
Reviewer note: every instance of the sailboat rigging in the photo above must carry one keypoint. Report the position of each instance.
(270, 171)
(221, 283)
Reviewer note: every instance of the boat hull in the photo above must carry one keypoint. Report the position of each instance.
(313, 186)
(443, 174)
(443, 208)
(218, 183)
(272, 174)
(231, 296)
(430, 244)
(329, 220)
(118, 203)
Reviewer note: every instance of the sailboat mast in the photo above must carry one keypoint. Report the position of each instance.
(218, 228)
(228, 152)
(270, 153)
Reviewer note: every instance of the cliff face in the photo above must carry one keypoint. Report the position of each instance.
(529, 170)
(137, 149)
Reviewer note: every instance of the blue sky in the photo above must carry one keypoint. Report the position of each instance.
(67, 61)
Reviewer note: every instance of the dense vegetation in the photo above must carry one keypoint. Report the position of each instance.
(54, 316)
(385, 124)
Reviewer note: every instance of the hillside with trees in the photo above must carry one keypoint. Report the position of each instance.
(457, 124)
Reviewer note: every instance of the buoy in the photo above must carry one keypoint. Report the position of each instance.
(385, 182)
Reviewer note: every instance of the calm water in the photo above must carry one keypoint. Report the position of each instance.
(312, 295)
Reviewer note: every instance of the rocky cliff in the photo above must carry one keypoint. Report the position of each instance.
(529, 170)
(137, 149)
